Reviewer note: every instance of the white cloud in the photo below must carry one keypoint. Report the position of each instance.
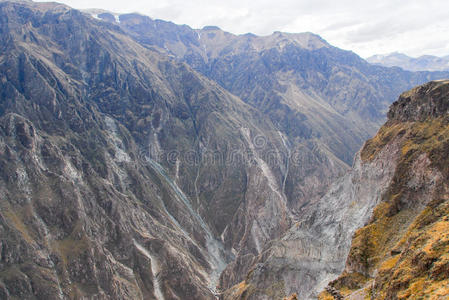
(414, 27)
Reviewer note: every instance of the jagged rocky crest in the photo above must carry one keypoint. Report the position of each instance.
(423, 102)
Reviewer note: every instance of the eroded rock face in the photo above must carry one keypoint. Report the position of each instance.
(308, 88)
(368, 223)
(323, 101)
(314, 251)
(402, 251)
(127, 175)
(122, 170)
(421, 103)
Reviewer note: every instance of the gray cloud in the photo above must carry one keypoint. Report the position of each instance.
(366, 27)
(342, 25)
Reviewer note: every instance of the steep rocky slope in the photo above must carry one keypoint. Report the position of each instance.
(320, 97)
(308, 124)
(397, 193)
(402, 253)
(124, 174)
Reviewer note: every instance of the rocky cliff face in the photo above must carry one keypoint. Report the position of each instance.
(314, 250)
(402, 251)
(124, 174)
(421, 103)
(306, 123)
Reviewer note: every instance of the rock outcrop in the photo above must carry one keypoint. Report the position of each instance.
(402, 252)
(421, 103)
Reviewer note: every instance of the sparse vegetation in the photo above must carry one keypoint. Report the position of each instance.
(404, 251)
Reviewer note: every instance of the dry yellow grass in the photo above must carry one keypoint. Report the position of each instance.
(385, 134)
(325, 296)
(418, 268)
(15, 219)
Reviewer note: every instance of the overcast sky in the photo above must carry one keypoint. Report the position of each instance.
(413, 27)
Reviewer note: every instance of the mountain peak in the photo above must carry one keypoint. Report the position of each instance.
(430, 100)
(306, 40)
(211, 28)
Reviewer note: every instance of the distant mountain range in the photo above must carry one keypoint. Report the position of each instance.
(422, 63)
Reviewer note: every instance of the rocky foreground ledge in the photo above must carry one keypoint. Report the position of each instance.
(402, 252)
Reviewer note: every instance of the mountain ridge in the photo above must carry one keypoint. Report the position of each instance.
(421, 63)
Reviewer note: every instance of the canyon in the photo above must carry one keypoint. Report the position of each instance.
(141, 159)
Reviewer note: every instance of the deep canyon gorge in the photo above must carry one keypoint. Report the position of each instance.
(140, 159)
